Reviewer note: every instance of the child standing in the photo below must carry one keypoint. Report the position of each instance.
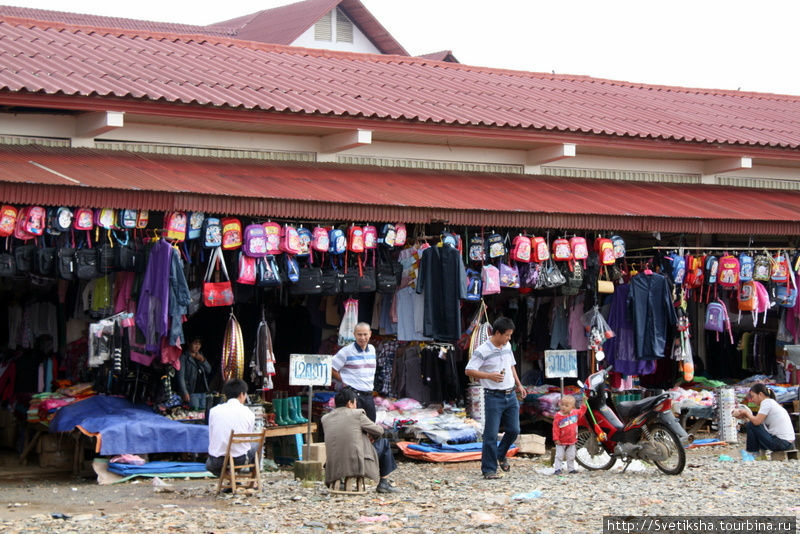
(565, 433)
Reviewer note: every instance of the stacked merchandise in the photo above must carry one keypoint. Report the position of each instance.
(726, 402)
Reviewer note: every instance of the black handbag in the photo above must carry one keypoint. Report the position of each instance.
(65, 264)
(330, 282)
(46, 261)
(8, 265)
(86, 263)
(23, 255)
(267, 273)
(348, 282)
(106, 259)
(389, 272)
(309, 283)
(366, 282)
(127, 258)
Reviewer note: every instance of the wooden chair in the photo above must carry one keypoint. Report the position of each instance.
(228, 477)
(348, 486)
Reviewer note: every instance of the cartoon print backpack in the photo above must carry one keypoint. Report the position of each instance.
(273, 232)
(678, 268)
(495, 247)
(290, 242)
(304, 239)
(105, 218)
(175, 225)
(142, 219)
(195, 229)
(745, 267)
(762, 268)
(35, 220)
(717, 319)
(247, 268)
(619, 246)
(540, 249)
(477, 252)
(320, 240)
(561, 250)
(388, 235)
(747, 298)
(728, 271)
(8, 220)
(781, 269)
(605, 250)
(520, 249)
(212, 232)
(83, 219)
(370, 237)
(400, 234)
(580, 251)
(490, 280)
(355, 239)
(126, 219)
(255, 242)
(19, 227)
(712, 269)
(338, 241)
(474, 284)
(509, 276)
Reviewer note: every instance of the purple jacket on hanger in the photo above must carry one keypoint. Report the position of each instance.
(152, 311)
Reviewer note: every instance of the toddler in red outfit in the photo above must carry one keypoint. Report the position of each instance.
(565, 433)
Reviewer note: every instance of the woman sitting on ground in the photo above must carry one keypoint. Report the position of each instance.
(770, 429)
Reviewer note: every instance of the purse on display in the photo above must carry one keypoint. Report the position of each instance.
(24, 255)
(217, 293)
(46, 261)
(86, 263)
(8, 265)
(308, 283)
(65, 263)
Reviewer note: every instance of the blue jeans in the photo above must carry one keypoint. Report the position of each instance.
(197, 402)
(500, 409)
(758, 438)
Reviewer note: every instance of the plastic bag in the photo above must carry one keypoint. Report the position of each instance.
(349, 322)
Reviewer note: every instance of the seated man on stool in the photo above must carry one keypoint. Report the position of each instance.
(233, 415)
(353, 445)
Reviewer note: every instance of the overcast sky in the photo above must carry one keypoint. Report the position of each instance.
(733, 44)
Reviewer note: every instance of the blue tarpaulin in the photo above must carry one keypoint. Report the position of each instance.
(156, 467)
(459, 447)
(123, 428)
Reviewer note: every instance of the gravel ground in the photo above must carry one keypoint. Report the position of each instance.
(432, 498)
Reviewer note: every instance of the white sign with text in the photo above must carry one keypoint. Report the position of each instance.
(310, 369)
(561, 363)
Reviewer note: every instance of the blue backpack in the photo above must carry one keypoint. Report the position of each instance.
(474, 285)
(678, 268)
(338, 242)
(745, 267)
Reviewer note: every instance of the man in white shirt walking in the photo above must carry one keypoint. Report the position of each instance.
(354, 366)
(493, 364)
(233, 415)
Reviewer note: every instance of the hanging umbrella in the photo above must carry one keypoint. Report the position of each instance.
(232, 350)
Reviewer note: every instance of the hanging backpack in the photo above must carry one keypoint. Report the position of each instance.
(370, 237)
(762, 268)
(747, 299)
(212, 232)
(83, 219)
(105, 218)
(142, 219)
(36, 221)
(196, 220)
(580, 251)
(490, 280)
(763, 302)
(273, 233)
(247, 269)
(304, 242)
(728, 271)
(780, 272)
(495, 247)
(694, 273)
(521, 249)
(561, 250)
(477, 250)
(388, 235)
(290, 240)
(717, 319)
(619, 246)
(292, 268)
(745, 267)
(19, 228)
(338, 242)
(255, 243)
(400, 234)
(678, 268)
(8, 220)
(605, 250)
(231, 233)
(509, 276)
(786, 295)
(540, 249)
(474, 285)
(712, 269)
(175, 226)
(267, 274)
(355, 239)
(320, 240)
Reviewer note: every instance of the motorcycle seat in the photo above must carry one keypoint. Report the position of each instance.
(629, 409)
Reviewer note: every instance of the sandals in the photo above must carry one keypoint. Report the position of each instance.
(492, 476)
(504, 465)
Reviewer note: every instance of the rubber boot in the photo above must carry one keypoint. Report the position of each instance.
(277, 406)
(292, 410)
(298, 409)
(285, 412)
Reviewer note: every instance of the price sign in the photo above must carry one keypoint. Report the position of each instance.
(310, 369)
(561, 363)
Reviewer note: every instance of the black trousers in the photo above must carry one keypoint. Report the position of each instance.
(386, 462)
(366, 402)
(214, 463)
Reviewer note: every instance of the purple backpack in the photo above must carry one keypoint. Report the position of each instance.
(255, 241)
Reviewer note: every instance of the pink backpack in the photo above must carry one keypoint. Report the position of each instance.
(728, 271)
(273, 234)
(562, 250)
(521, 249)
(255, 241)
(540, 250)
(290, 243)
(579, 249)
(83, 219)
(370, 237)
(490, 278)
(319, 239)
(35, 221)
(400, 234)
(19, 227)
(763, 303)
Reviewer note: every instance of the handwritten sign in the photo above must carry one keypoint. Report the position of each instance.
(561, 363)
(310, 369)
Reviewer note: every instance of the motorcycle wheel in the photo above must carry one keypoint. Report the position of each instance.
(590, 454)
(676, 461)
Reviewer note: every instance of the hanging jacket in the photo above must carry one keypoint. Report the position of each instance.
(443, 281)
(179, 299)
(152, 311)
(652, 313)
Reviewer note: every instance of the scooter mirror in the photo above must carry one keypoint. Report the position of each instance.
(599, 355)
(581, 385)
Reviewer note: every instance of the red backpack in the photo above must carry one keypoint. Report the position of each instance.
(370, 237)
(8, 219)
(521, 249)
(728, 271)
(580, 251)
(605, 250)
(561, 250)
(355, 239)
(19, 228)
(541, 252)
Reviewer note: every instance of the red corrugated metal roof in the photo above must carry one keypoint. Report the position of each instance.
(332, 192)
(54, 58)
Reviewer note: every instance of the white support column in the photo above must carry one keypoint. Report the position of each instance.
(534, 159)
(723, 165)
(329, 145)
(90, 125)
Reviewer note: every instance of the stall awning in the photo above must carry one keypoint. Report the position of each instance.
(329, 192)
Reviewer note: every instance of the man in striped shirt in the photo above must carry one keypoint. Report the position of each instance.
(354, 366)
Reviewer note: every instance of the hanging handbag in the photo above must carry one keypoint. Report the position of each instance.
(127, 257)
(8, 265)
(366, 281)
(106, 259)
(552, 275)
(232, 349)
(309, 282)
(86, 263)
(23, 255)
(65, 263)
(267, 274)
(605, 287)
(348, 282)
(45, 261)
(330, 282)
(217, 293)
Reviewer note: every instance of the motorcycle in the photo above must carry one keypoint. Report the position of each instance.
(642, 429)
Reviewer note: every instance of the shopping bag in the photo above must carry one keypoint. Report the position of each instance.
(349, 322)
(217, 293)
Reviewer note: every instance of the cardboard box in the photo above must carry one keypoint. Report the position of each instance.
(531, 444)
